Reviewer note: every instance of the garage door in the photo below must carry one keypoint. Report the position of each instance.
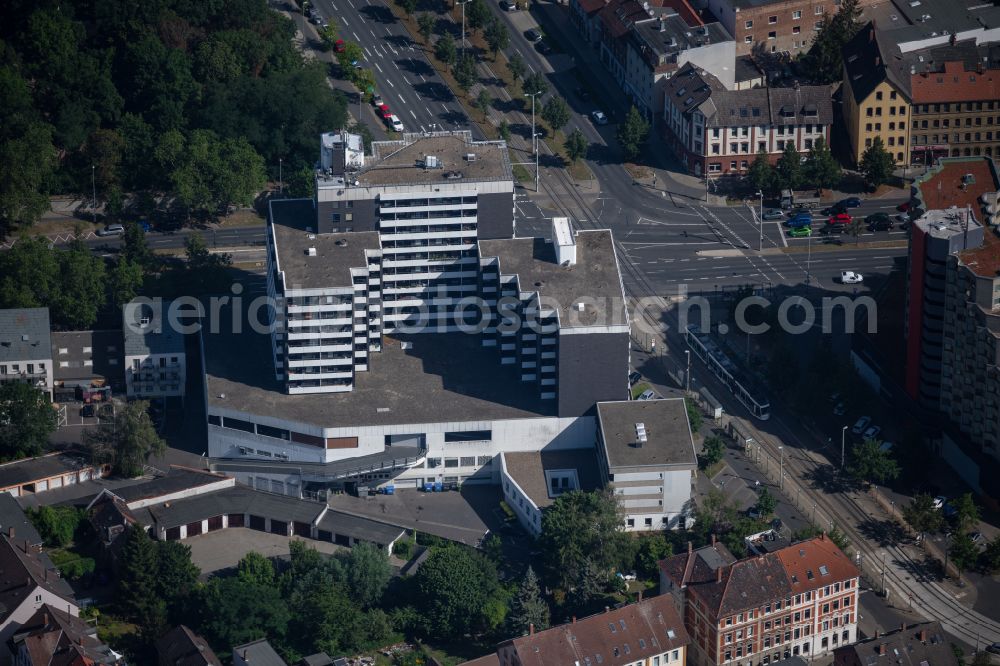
(302, 529)
(323, 535)
(194, 529)
(55, 483)
(258, 523)
(41, 486)
(69, 479)
(342, 540)
(85, 475)
(173, 533)
(279, 527)
(236, 520)
(214, 523)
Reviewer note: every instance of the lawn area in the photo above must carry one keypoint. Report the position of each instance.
(638, 389)
(522, 174)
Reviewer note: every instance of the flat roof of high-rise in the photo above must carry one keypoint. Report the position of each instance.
(439, 377)
(665, 425)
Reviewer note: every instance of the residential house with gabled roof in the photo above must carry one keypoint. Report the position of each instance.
(53, 637)
(28, 580)
(646, 633)
(915, 645)
(798, 601)
(182, 647)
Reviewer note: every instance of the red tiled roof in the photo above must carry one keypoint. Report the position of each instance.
(954, 84)
(619, 15)
(815, 563)
(591, 6)
(985, 259)
(944, 189)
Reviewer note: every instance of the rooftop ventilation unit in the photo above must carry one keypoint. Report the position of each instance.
(431, 162)
(470, 157)
(640, 434)
(311, 251)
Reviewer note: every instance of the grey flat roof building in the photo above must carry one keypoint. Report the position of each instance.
(146, 330)
(176, 480)
(361, 529)
(294, 227)
(79, 356)
(43, 467)
(441, 377)
(528, 469)
(24, 335)
(404, 162)
(593, 280)
(668, 433)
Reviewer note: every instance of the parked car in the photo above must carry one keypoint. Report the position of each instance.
(395, 123)
(633, 377)
(850, 277)
(861, 424)
(648, 394)
(755, 513)
(533, 35)
(543, 48)
(994, 648)
(799, 220)
(111, 230)
(339, 46)
(832, 229)
(872, 432)
(383, 111)
(377, 101)
(800, 232)
(850, 202)
(879, 222)
(840, 218)
(508, 5)
(773, 214)
(903, 207)
(940, 501)
(835, 209)
(598, 117)
(976, 537)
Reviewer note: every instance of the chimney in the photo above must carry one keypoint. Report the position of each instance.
(640, 595)
(923, 635)
(10, 532)
(531, 629)
(607, 609)
(902, 626)
(876, 634)
(713, 541)
(690, 548)
(718, 575)
(574, 619)
(45, 619)
(871, 34)
(822, 535)
(878, 61)
(881, 650)
(25, 546)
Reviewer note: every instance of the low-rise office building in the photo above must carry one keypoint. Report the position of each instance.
(645, 451)
(26, 348)
(714, 131)
(797, 601)
(533, 480)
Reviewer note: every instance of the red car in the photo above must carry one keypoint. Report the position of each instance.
(339, 46)
(903, 207)
(840, 218)
(383, 110)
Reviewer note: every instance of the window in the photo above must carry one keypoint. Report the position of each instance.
(771, 20)
(796, 15)
(451, 462)
(748, 24)
(748, 39)
(631, 523)
(796, 30)
(714, 167)
(818, 11)
(648, 523)
(772, 35)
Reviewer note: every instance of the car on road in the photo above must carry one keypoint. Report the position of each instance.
(840, 218)
(799, 220)
(633, 377)
(773, 214)
(508, 5)
(850, 202)
(339, 46)
(598, 117)
(800, 232)
(832, 229)
(940, 501)
(872, 432)
(835, 209)
(861, 424)
(850, 277)
(648, 394)
(395, 123)
(111, 230)
(377, 101)
(903, 207)
(879, 222)
(383, 111)
(533, 35)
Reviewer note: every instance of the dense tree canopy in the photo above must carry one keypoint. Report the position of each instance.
(128, 440)
(26, 420)
(112, 85)
(459, 592)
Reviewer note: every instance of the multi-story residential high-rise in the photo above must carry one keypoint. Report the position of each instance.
(26, 348)
(797, 601)
(718, 132)
(413, 338)
(953, 312)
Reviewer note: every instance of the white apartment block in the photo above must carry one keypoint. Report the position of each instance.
(25, 348)
(155, 362)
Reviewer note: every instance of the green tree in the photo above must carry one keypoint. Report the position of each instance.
(632, 134)
(870, 463)
(824, 60)
(368, 574)
(464, 71)
(177, 575)
(579, 525)
(456, 590)
(789, 167)
(230, 612)
(497, 37)
(556, 113)
(477, 14)
(922, 515)
(328, 34)
(535, 84)
(125, 283)
(761, 173)
(255, 569)
(652, 549)
(82, 287)
(206, 271)
(425, 25)
(57, 525)
(127, 441)
(856, 228)
(966, 513)
(484, 101)
(516, 66)
(695, 419)
(134, 247)
(29, 274)
(576, 145)
(138, 596)
(408, 6)
(527, 608)
(444, 49)
(876, 164)
(839, 539)
(588, 586)
(991, 556)
(766, 503)
(821, 170)
(711, 452)
(504, 130)
(26, 420)
(963, 551)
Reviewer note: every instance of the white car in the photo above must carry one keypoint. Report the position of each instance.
(861, 424)
(940, 501)
(872, 432)
(395, 123)
(599, 118)
(111, 230)
(648, 394)
(850, 277)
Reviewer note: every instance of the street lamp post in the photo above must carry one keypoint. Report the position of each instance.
(843, 433)
(534, 143)
(687, 379)
(760, 222)
(781, 467)
(93, 186)
(463, 3)
(536, 157)
(809, 257)
(281, 187)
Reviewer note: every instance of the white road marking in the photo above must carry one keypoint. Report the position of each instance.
(391, 84)
(343, 20)
(373, 33)
(367, 52)
(413, 114)
(378, 68)
(356, 38)
(334, 7)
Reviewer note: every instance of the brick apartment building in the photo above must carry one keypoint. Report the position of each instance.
(799, 601)
(785, 26)
(718, 132)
